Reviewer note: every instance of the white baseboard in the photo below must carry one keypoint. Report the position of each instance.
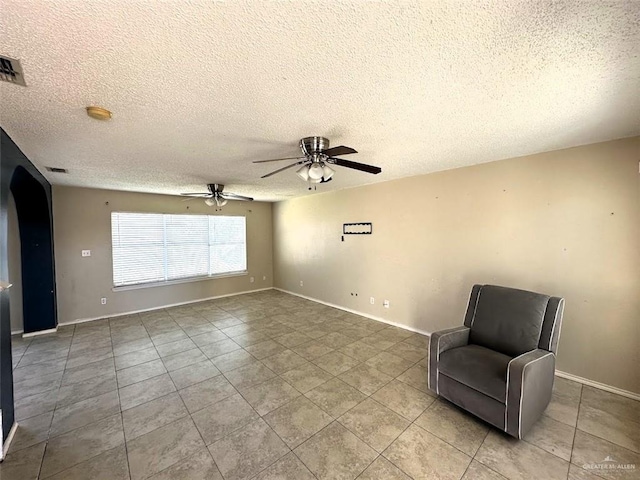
(40, 332)
(601, 386)
(356, 312)
(568, 376)
(17, 332)
(84, 320)
(7, 443)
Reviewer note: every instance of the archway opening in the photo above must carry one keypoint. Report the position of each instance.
(36, 247)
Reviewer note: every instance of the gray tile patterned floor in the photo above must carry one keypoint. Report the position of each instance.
(271, 386)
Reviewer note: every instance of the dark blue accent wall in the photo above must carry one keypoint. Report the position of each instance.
(32, 195)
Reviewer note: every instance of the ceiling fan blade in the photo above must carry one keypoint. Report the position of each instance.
(278, 159)
(340, 150)
(196, 194)
(284, 168)
(355, 165)
(233, 196)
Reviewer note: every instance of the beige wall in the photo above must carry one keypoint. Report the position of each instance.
(82, 221)
(15, 268)
(565, 223)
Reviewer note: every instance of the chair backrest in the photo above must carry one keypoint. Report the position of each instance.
(513, 321)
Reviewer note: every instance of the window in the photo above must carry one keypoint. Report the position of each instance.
(153, 247)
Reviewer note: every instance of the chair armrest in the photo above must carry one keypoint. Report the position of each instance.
(441, 342)
(529, 386)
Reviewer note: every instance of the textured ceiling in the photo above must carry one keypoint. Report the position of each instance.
(200, 89)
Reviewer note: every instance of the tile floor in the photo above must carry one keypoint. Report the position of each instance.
(271, 386)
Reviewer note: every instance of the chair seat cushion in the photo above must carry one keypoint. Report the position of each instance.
(477, 367)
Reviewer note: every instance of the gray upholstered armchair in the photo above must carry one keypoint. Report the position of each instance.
(500, 365)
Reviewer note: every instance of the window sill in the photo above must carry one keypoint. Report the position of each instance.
(177, 282)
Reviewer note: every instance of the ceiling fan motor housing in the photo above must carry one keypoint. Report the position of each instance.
(215, 188)
(311, 145)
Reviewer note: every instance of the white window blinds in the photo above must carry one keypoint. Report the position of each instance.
(149, 247)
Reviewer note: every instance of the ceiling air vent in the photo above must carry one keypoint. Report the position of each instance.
(57, 170)
(11, 71)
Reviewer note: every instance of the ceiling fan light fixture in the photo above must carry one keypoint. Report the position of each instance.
(316, 171)
(221, 202)
(210, 202)
(327, 172)
(303, 172)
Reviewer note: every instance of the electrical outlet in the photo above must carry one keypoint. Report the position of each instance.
(264, 277)
(301, 283)
(251, 279)
(372, 301)
(385, 304)
(103, 300)
(86, 253)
